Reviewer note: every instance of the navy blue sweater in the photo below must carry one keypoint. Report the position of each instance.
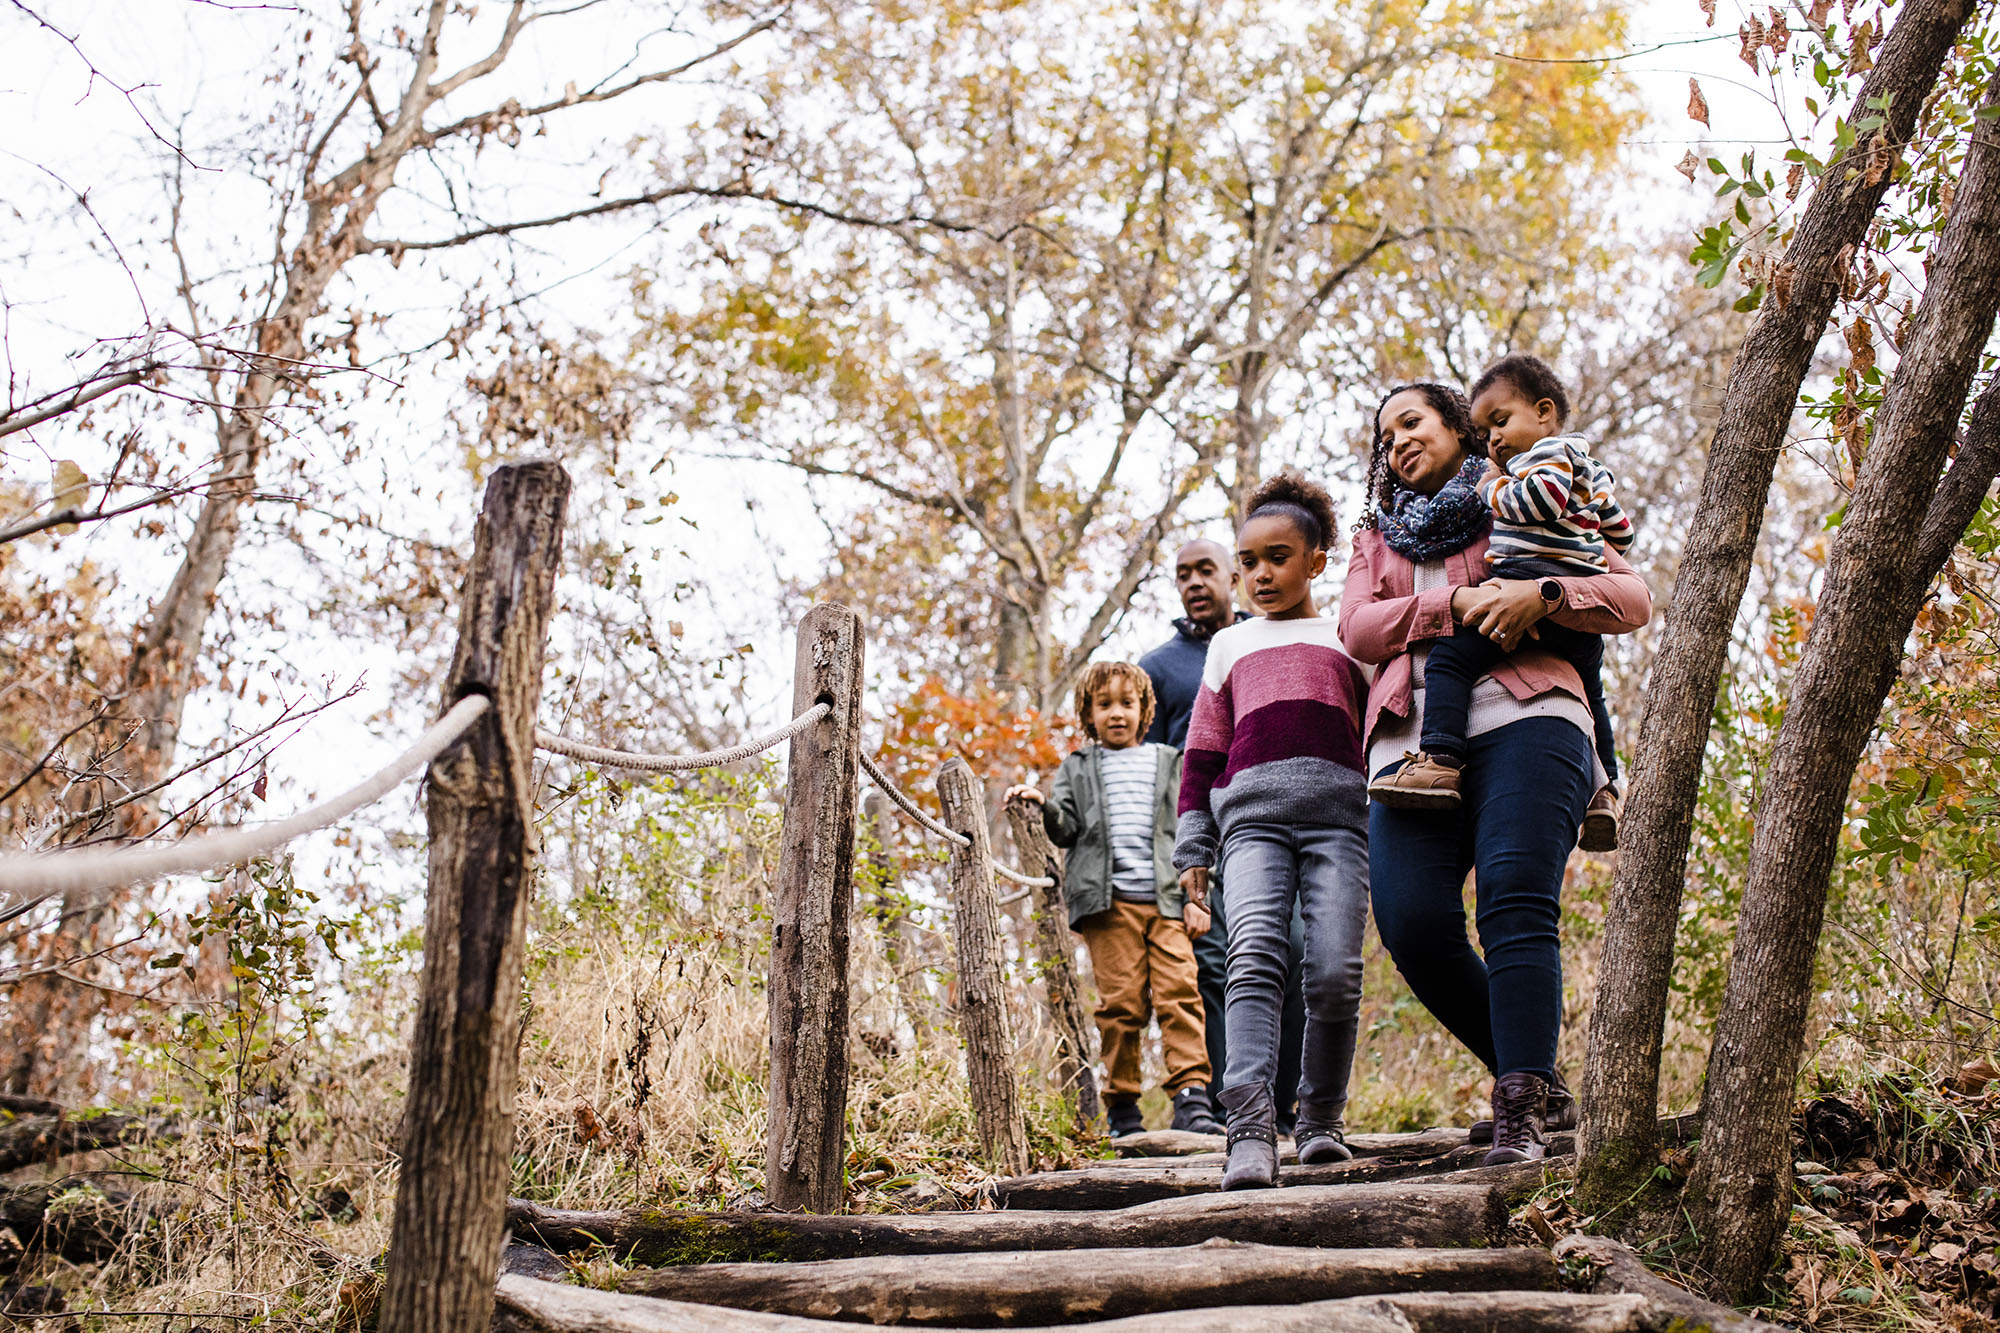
(1175, 670)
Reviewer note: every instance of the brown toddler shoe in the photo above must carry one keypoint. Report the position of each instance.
(1600, 823)
(1426, 781)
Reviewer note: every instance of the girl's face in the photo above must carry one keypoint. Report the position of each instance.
(1278, 566)
(1424, 452)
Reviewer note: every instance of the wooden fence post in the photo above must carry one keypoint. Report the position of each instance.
(804, 1147)
(1056, 960)
(458, 1124)
(982, 994)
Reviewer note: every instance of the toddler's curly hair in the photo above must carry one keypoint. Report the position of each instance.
(1099, 674)
(1532, 378)
(1305, 503)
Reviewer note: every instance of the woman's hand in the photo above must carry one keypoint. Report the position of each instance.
(1194, 883)
(1195, 918)
(1505, 610)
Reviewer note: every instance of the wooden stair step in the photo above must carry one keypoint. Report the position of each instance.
(1186, 1143)
(1399, 1214)
(1123, 1185)
(526, 1305)
(1012, 1288)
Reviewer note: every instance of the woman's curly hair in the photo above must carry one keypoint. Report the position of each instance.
(1099, 674)
(1453, 407)
(1305, 503)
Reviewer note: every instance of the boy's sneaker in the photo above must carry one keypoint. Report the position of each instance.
(1600, 822)
(1123, 1117)
(1426, 781)
(1194, 1112)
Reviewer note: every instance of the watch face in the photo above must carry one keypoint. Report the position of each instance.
(1551, 591)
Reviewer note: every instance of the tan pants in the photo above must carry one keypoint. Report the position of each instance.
(1145, 965)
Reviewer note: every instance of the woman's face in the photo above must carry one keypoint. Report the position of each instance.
(1424, 452)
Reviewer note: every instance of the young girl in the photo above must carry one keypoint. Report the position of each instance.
(1273, 787)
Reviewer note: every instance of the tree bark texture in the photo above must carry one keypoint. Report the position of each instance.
(529, 1306)
(458, 1126)
(1875, 584)
(1041, 1288)
(1055, 960)
(982, 982)
(1620, 1092)
(814, 894)
(1405, 1214)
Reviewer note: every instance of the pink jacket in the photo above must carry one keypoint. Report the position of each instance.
(1382, 616)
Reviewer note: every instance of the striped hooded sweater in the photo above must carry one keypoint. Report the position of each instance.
(1275, 737)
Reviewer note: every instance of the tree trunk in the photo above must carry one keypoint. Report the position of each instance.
(1620, 1092)
(805, 1145)
(1061, 1288)
(1876, 582)
(1056, 960)
(982, 982)
(458, 1124)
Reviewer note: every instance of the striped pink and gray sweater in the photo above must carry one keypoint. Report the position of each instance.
(1276, 736)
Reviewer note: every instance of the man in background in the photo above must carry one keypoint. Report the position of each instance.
(1205, 578)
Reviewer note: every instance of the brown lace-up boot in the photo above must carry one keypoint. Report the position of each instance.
(1425, 781)
(1520, 1101)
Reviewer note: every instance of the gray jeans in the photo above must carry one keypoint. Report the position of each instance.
(1324, 871)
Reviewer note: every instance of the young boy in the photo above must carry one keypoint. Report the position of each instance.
(1553, 516)
(1112, 803)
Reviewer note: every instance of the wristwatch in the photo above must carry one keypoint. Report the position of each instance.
(1552, 594)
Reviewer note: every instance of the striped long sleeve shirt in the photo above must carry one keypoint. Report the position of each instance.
(1275, 737)
(1555, 502)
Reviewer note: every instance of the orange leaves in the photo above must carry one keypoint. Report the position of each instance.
(1003, 744)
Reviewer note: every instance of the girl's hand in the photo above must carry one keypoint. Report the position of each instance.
(1024, 792)
(1194, 883)
(1195, 918)
(1508, 612)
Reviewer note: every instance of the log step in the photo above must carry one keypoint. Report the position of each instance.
(1122, 1185)
(1004, 1290)
(1185, 1143)
(1401, 1215)
(526, 1305)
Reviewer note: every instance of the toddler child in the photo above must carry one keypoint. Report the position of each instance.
(1112, 805)
(1553, 515)
(1273, 791)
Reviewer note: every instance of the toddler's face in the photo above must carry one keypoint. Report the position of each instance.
(1510, 423)
(1115, 711)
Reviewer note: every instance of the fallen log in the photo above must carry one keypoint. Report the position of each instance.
(1614, 1268)
(1185, 1143)
(1122, 1186)
(27, 1139)
(1004, 1289)
(80, 1220)
(1406, 1216)
(525, 1305)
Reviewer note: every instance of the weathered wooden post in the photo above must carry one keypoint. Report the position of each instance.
(1055, 958)
(804, 1150)
(982, 995)
(458, 1125)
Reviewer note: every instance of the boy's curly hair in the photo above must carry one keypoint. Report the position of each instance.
(1531, 377)
(1099, 674)
(1305, 503)
(1453, 407)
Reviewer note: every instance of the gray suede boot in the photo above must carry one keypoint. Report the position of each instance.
(1322, 1134)
(1253, 1137)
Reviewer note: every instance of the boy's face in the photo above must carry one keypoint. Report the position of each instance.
(1114, 712)
(1511, 424)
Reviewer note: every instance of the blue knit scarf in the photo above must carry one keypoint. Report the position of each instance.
(1422, 528)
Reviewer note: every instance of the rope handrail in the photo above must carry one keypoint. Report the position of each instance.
(89, 869)
(678, 763)
(908, 806)
(1031, 881)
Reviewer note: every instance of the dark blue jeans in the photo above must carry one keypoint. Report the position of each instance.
(1211, 963)
(1524, 788)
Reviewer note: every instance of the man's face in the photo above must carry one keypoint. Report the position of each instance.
(1204, 576)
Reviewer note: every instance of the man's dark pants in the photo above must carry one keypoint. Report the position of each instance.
(1211, 961)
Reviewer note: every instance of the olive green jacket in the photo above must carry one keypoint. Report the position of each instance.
(1073, 813)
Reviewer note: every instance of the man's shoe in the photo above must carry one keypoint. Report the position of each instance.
(1560, 1115)
(1192, 1111)
(1520, 1101)
(1123, 1117)
(1321, 1135)
(1253, 1137)
(1600, 823)
(1426, 781)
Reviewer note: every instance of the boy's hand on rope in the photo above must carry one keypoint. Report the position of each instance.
(1196, 920)
(1194, 883)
